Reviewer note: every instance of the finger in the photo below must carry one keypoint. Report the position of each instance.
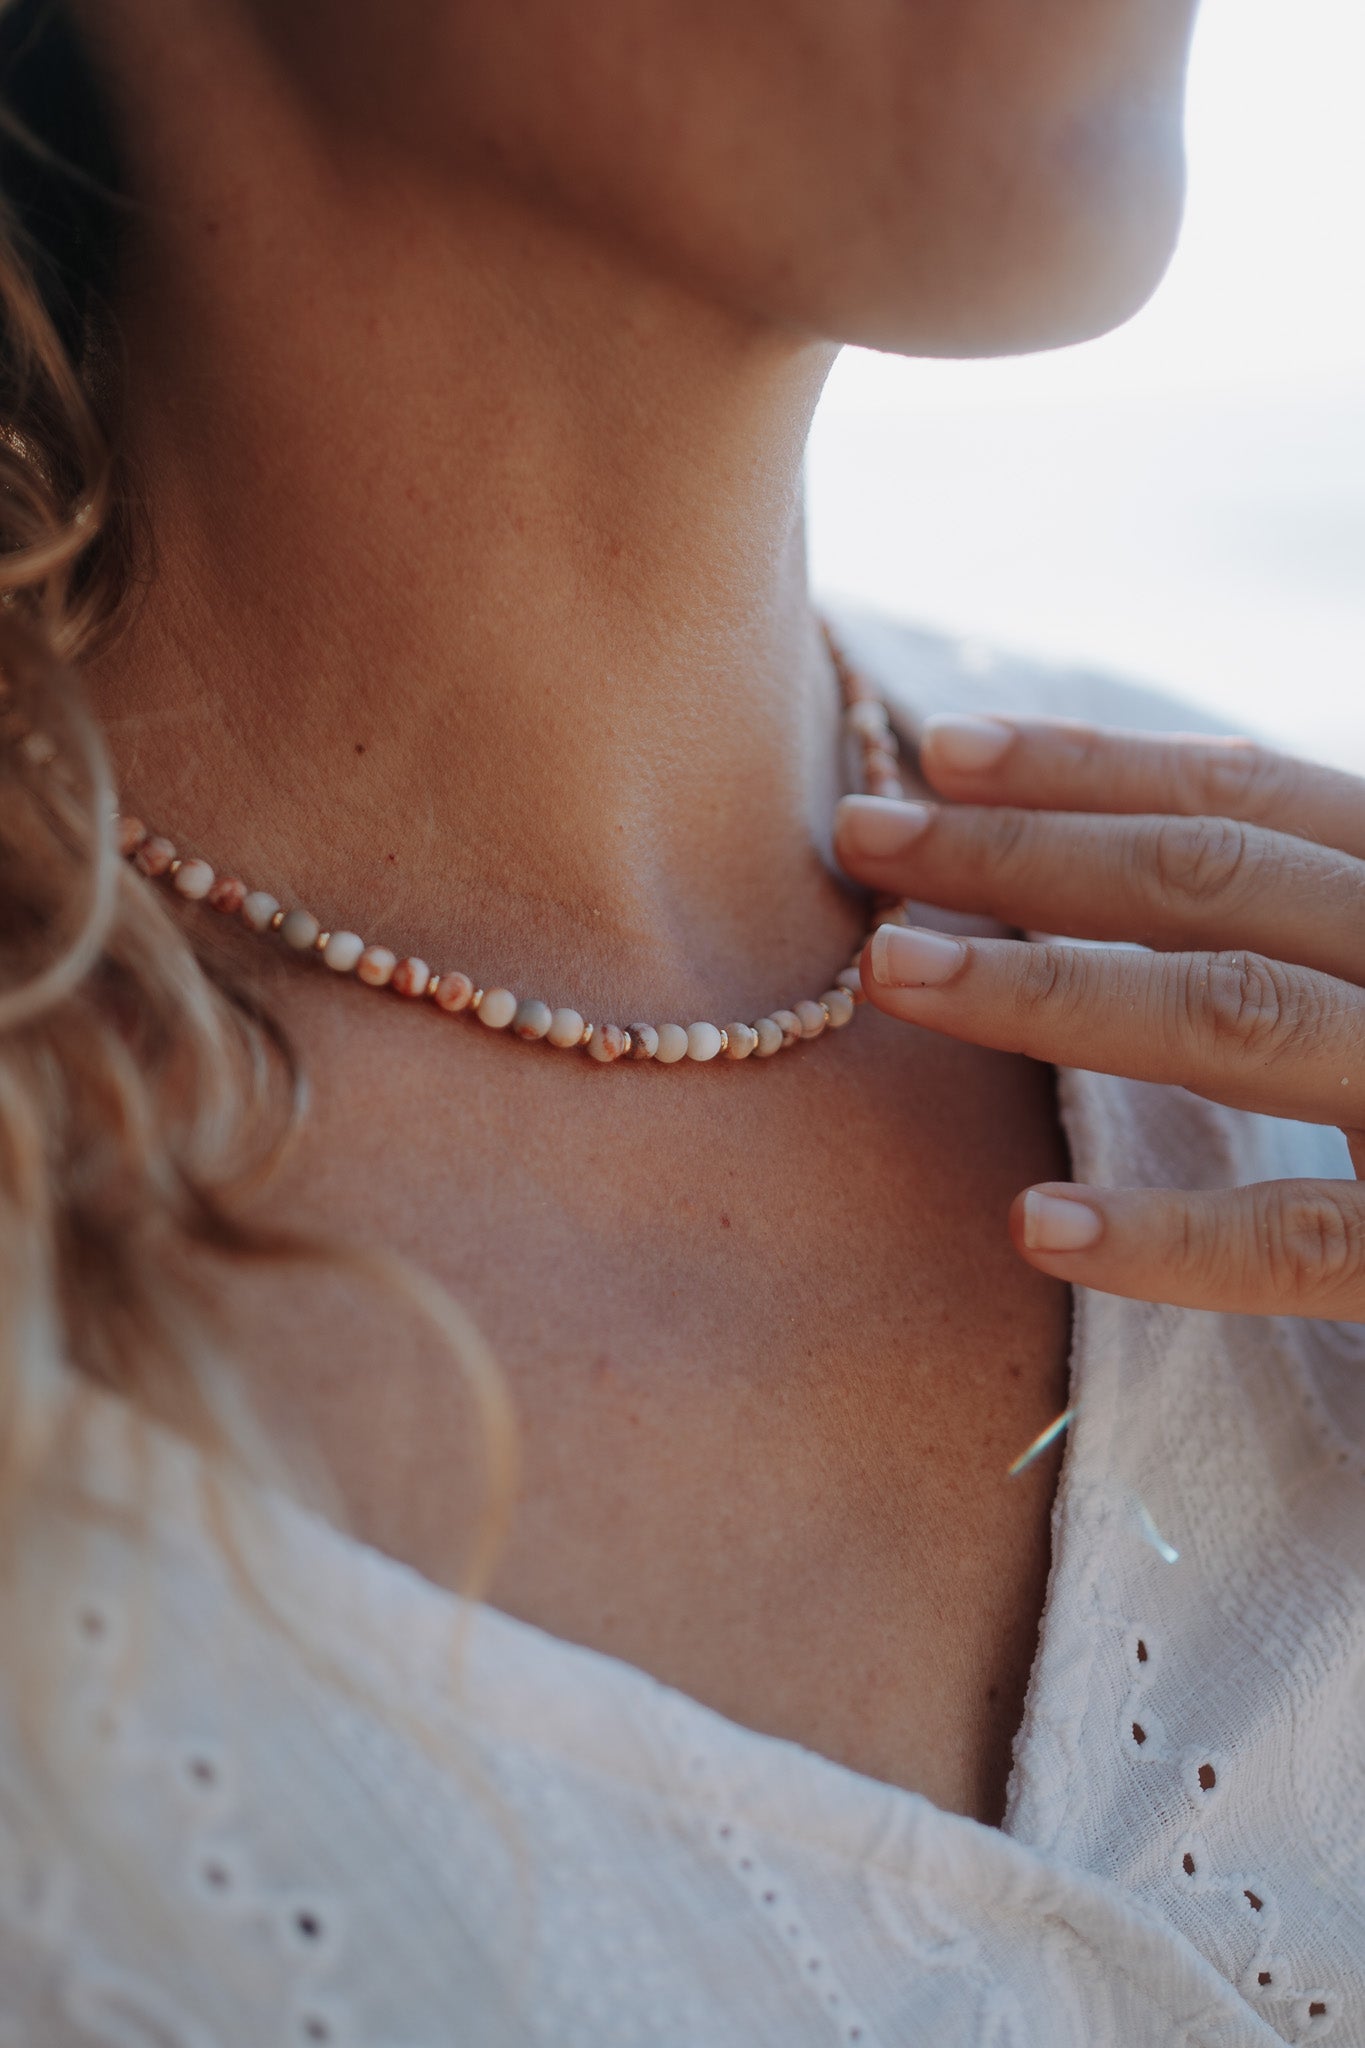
(1168, 882)
(1290, 1248)
(1237, 1027)
(1062, 765)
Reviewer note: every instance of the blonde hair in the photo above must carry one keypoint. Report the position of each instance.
(142, 1084)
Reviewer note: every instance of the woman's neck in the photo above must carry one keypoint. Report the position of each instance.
(480, 571)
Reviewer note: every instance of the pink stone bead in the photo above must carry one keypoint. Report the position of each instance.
(193, 879)
(880, 761)
(533, 1019)
(885, 785)
(839, 1003)
(154, 856)
(740, 1041)
(375, 966)
(789, 1024)
(129, 834)
(454, 992)
(811, 1018)
(607, 1043)
(644, 1041)
(768, 1032)
(227, 895)
(410, 977)
(498, 1008)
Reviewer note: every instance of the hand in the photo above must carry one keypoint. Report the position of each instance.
(1244, 871)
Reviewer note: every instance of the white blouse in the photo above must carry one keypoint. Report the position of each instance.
(403, 1822)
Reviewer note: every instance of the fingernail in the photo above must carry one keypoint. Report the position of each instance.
(964, 741)
(913, 959)
(1058, 1223)
(879, 825)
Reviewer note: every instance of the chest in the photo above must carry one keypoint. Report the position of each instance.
(771, 1354)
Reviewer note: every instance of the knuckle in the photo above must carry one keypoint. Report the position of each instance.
(1205, 1243)
(1004, 838)
(1232, 775)
(1244, 1002)
(1197, 859)
(1048, 976)
(1085, 749)
(1311, 1243)
(1193, 1247)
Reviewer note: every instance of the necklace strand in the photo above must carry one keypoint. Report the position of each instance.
(528, 1018)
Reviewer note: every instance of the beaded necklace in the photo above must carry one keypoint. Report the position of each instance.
(526, 1017)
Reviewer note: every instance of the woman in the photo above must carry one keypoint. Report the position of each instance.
(442, 603)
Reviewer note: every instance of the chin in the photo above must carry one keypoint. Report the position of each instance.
(1076, 287)
(1041, 262)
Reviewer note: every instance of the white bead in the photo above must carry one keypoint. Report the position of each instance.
(703, 1041)
(194, 878)
(769, 1036)
(811, 1018)
(258, 909)
(839, 1003)
(342, 951)
(672, 1044)
(566, 1027)
(300, 930)
(532, 1019)
(498, 1008)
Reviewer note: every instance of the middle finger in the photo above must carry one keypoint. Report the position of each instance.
(1237, 1027)
(1166, 882)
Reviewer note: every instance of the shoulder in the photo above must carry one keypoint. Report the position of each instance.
(921, 670)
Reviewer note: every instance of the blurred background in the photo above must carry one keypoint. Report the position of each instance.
(1183, 500)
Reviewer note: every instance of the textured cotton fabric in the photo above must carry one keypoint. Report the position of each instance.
(399, 1822)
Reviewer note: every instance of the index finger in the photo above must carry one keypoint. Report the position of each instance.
(1060, 764)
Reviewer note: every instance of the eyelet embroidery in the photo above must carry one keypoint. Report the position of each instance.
(736, 1845)
(191, 1782)
(1204, 1775)
(203, 1776)
(774, 1900)
(308, 1927)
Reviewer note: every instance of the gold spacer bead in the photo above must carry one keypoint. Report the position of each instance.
(476, 999)
(586, 1039)
(433, 983)
(175, 866)
(277, 920)
(828, 1018)
(724, 1040)
(625, 1050)
(320, 941)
